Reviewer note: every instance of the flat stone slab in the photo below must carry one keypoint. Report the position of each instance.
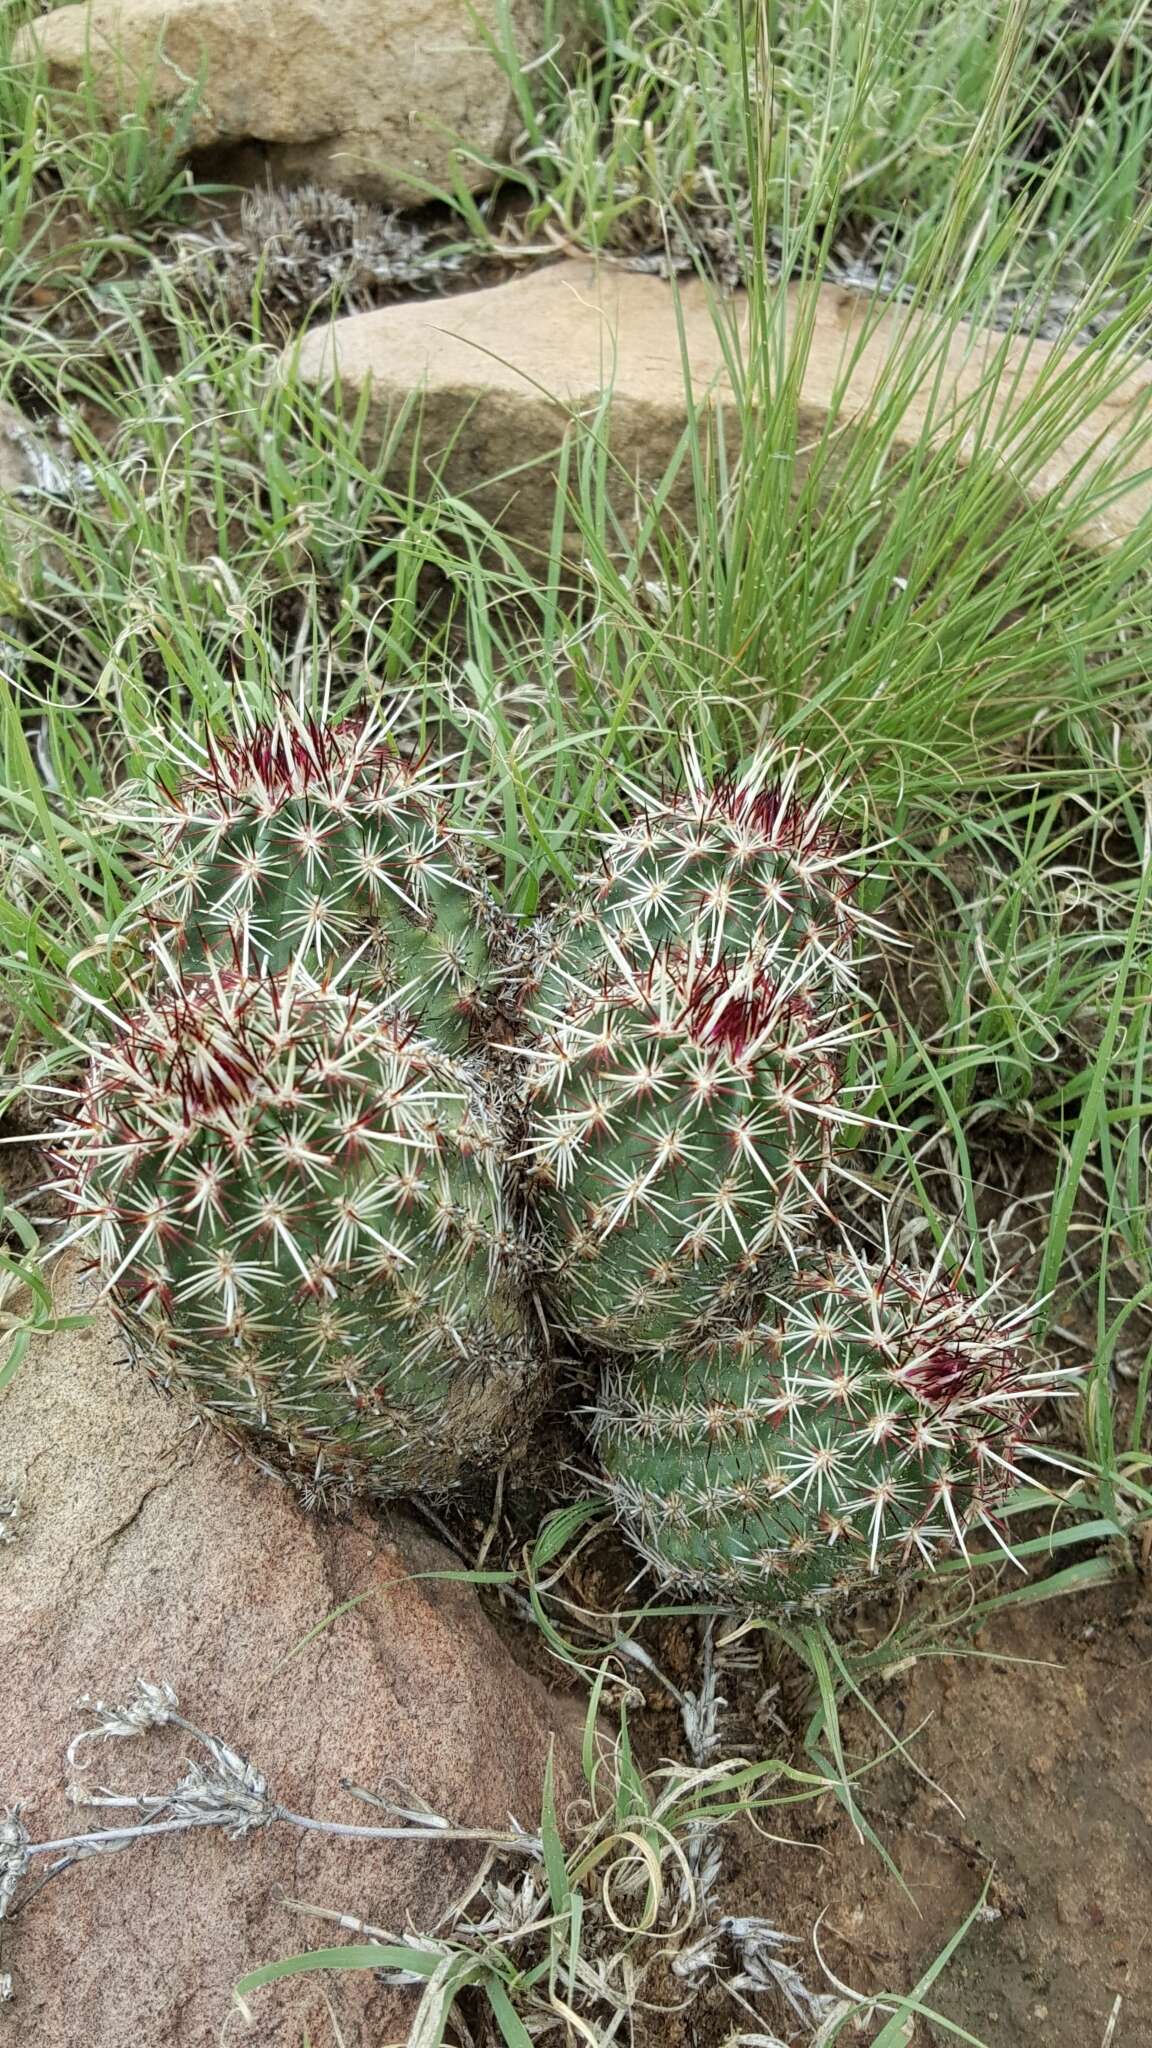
(498, 372)
(143, 1546)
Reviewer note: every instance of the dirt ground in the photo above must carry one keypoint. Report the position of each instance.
(1043, 1739)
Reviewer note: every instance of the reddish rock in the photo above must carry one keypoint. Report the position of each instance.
(145, 1547)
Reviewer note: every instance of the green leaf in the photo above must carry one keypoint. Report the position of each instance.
(1088, 1122)
(352, 1955)
(827, 1720)
(18, 1346)
(512, 2029)
(559, 1529)
(554, 1862)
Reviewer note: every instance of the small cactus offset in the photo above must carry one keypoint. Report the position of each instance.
(323, 843)
(865, 1424)
(300, 1214)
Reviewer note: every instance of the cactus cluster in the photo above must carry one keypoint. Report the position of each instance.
(353, 1144)
(774, 1426)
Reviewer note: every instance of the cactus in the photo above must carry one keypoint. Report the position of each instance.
(744, 867)
(322, 842)
(693, 1113)
(293, 1148)
(298, 1206)
(866, 1422)
(691, 1015)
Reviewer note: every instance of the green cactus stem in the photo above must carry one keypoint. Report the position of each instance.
(298, 1210)
(867, 1423)
(748, 866)
(683, 1125)
(303, 839)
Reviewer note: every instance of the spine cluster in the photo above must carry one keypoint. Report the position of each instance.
(352, 1144)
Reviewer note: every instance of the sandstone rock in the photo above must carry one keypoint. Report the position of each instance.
(142, 1546)
(367, 95)
(501, 371)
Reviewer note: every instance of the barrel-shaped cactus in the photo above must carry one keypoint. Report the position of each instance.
(747, 867)
(682, 1125)
(692, 1015)
(865, 1423)
(299, 1209)
(304, 840)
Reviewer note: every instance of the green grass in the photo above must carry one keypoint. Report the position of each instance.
(704, 125)
(913, 620)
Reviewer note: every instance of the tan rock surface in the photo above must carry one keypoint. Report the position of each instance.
(501, 370)
(144, 1547)
(362, 94)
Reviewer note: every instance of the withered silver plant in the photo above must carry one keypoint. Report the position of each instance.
(220, 1789)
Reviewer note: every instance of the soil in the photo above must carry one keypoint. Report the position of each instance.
(1036, 1750)
(1023, 1800)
